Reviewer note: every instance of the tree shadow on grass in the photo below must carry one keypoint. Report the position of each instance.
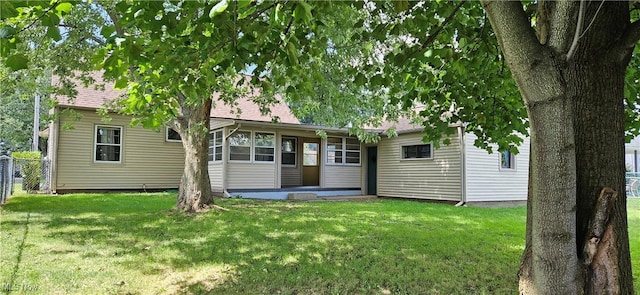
(262, 247)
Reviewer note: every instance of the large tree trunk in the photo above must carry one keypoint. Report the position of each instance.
(577, 240)
(554, 264)
(195, 193)
(596, 83)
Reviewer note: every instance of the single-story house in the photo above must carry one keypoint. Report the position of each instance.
(632, 155)
(253, 157)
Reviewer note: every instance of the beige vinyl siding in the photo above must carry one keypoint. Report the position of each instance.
(291, 176)
(219, 123)
(438, 178)
(487, 182)
(148, 161)
(336, 176)
(251, 175)
(215, 176)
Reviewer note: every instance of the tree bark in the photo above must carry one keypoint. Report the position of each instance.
(575, 107)
(195, 193)
(596, 83)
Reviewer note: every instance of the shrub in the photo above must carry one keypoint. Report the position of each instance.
(31, 169)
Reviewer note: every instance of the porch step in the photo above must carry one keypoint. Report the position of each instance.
(302, 196)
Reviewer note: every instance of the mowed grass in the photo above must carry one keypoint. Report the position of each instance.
(134, 244)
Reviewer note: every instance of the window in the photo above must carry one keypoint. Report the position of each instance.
(334, 150)
(507, 160)
(310, 156)
(289, 149)
(343, 151)
(419, 151)
(353, 151)
(265, 146)
(108, 144)
(172, 135)
(215, 146)
(240, 146)
(252, 146)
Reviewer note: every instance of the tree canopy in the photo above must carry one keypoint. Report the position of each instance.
(498, 68)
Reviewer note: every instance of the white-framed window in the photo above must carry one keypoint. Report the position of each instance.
(334, 150)
(289, 151)
(352, 156)
(215, 146)
(250, 146)
(417, 151)
(172, 135)
(264, 147)
(343, 151)
(107, 144)
(507, 160)
(240, 146)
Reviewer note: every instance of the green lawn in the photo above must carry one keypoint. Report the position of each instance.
(133, 244)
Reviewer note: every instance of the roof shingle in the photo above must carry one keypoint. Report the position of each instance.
(93, 98)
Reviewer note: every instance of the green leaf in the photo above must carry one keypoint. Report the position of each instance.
(291, 52)
(6, 46)
(218, 8)
(64, 7)
(6, 32)
(54, 33)
(400, 5)
(121, 83)
(107, 31)
(50, 20)
(277, 17)
(302, 12)
(7, 10)
(244, 3)
(247, 12)
(17, 62)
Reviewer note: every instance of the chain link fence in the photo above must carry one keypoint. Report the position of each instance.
(6, 178)
(32, 174)
(633, 184)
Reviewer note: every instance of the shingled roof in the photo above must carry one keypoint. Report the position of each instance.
(92, 98)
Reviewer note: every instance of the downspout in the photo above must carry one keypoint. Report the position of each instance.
(54, 134)
(463, 166)
(225, 153)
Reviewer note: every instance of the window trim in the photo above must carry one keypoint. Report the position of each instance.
(252, 147)
(212, 138)
(295, 151)
(431, 156)
(166, 135)
(95, 143)
(318, 157)
(512, 161)
(344, 151)
(255, 146)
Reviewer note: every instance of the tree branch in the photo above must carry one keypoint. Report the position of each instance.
(576, 36)
(631, 36)
(259, 12)
(39, 17)
(114, 20)
(89, 37)
(433, 35)
(513, 30)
